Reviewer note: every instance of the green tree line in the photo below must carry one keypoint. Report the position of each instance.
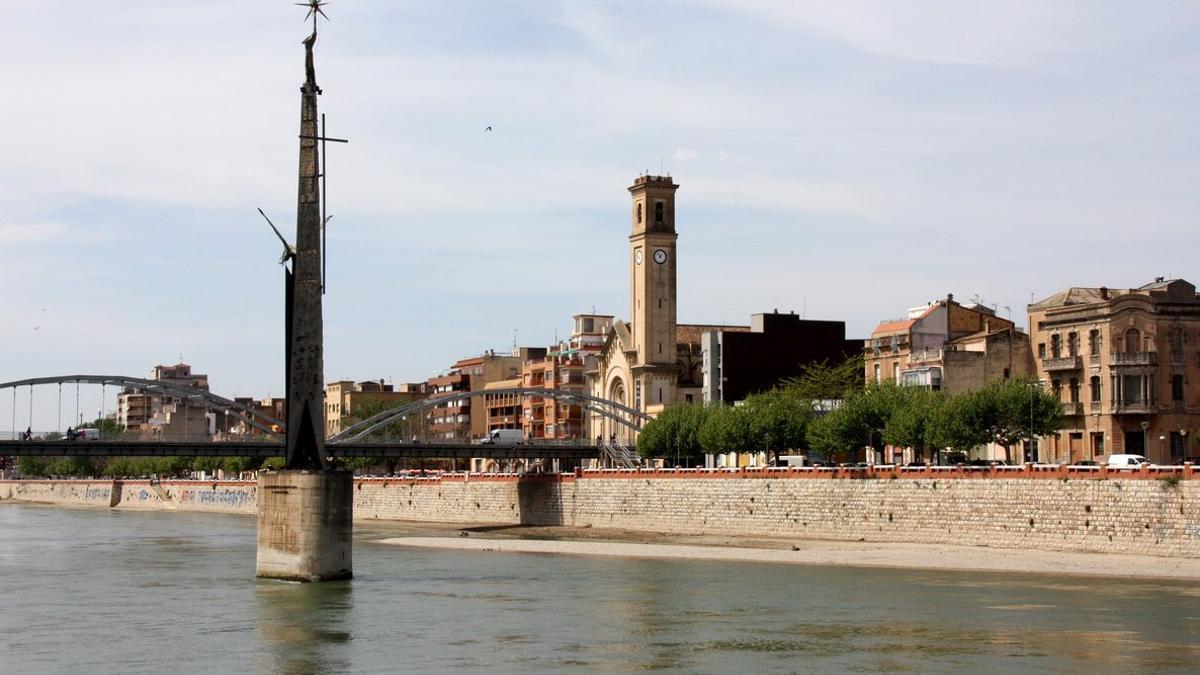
(828, 413)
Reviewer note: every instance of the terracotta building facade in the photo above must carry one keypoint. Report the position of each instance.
(1126, 365)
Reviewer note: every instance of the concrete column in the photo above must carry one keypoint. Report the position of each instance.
(304, 525)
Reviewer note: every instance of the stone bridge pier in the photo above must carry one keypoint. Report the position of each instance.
(304, 525)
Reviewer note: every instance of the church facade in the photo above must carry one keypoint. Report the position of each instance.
(649, 361)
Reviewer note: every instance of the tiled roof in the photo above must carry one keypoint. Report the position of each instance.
(689, 333)
(893, 326)
(1077, 295)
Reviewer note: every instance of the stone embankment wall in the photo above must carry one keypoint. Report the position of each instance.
(1112, 514)
(214, 496)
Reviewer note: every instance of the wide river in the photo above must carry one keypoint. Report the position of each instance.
(102, 591)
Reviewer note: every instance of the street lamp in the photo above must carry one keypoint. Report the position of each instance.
(1145, 436)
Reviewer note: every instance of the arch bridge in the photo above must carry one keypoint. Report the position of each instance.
(194, 397)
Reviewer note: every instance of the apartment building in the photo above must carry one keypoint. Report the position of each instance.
(946, 345)
(166, 417)
(467, 417)
(1126, 365)
(348, 400)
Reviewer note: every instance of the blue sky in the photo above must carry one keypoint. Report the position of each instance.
(849, 159)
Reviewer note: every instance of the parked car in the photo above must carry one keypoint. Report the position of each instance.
(1126, 461)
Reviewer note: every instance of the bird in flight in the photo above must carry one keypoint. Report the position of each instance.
(488, 129)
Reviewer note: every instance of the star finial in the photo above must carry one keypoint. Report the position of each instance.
(314, 8)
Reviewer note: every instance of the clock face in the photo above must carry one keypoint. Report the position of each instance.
(660, 256)
(637, 256)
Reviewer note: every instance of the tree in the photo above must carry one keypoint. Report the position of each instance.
(729, 429)
(207, 464)
(778, 419)
(909, 425)
(674, 432)
(369, 407)
(71, 466)
(108, 426)
(31, 466)
(239, 465)
(827, 382)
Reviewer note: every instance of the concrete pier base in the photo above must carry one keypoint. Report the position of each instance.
(304, 525)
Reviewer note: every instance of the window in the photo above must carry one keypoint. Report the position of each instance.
(877, 372)
(1056, 385)
(1094, 341)
(1072, 344)
(1133, 339)
(1177, 387)
(1131, 388)
(1074, 390)
(1055, 346)
(658, 212)
(1042, 350)
(639, 212)
(1095, 387)
(896, 372)
(1006, 373)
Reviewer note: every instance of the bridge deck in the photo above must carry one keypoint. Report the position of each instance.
(264, 449)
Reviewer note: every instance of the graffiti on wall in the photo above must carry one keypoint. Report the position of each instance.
(232, 498)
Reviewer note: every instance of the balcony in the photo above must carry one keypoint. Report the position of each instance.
(1139, 408)
(925, 356)
(1094, 407)
(1064, 363)
(1072, 408)
(1133, 359)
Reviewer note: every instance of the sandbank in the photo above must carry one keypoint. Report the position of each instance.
(820, 552)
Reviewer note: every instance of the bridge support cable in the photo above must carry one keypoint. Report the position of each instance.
(58, 427)
(30, 427)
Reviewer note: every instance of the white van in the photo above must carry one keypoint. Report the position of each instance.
(88, 434)
(505, 437)
(1126, 461)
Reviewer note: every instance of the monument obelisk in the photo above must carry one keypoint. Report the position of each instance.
(305, 510)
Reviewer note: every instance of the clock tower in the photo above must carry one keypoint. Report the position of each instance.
(652, 291)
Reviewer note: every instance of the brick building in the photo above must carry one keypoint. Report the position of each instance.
(346, 398)
(466, 418)
(946, 345)
(167, 417)
(1126, 364)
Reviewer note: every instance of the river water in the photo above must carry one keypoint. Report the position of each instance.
(103, 591)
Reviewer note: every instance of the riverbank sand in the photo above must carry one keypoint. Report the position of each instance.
(616, 543)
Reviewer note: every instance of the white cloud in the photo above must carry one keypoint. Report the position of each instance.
(684, 154)
(23, 233)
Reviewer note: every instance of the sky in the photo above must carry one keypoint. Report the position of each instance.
(843, 160)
